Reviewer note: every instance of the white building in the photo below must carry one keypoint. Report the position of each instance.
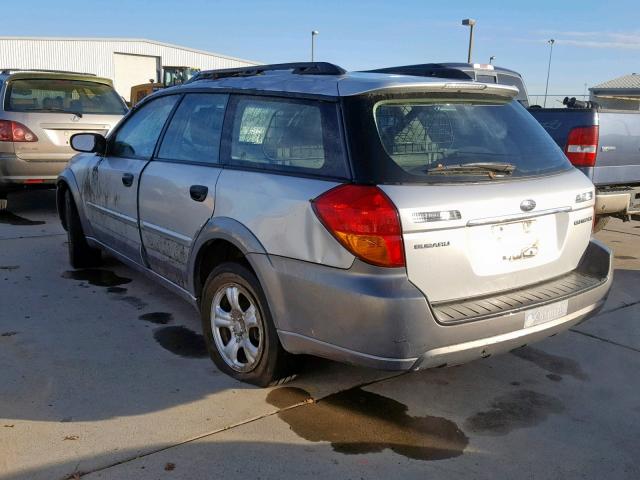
(127, 61)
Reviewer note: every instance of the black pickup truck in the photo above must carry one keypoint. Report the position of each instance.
(604, 144)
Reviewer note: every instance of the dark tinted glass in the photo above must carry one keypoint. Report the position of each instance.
(409, 136)
(195, 129)
(486, 78)
(289, 135)
(420, 135)
(70, 96)
(138, 136)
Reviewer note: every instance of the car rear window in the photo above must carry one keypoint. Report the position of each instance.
(68, 96)
(418, 135)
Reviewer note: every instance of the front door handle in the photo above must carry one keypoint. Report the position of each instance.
(127, 179)
(198, 192)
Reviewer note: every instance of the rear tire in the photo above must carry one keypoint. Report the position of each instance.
(3, 201)
(81, 255)
(601, 222)
(238, 328)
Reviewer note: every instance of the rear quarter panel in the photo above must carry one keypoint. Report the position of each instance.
(277, 210)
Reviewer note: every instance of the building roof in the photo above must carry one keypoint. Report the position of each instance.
(625, 82)
(349, 83)
(141, 40)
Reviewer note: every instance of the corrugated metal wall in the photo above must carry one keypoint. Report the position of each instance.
(96, 56)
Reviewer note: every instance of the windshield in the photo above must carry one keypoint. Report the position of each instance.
(70, 96)
(421, 135)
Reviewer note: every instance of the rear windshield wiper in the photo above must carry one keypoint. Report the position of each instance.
(490, 168)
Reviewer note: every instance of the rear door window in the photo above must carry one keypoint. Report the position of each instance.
(139, 134)
(66, 96)
(287, 135)
(195, 129)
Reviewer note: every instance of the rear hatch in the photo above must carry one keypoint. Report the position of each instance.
(487, 202)
(489, 244)
(54, 109)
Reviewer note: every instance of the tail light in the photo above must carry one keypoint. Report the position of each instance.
(582, 146)
(15, 132)
(365, 221)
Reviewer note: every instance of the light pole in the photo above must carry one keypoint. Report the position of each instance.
(550, 42)
(313, 39)
(469, 22)
(491, 59)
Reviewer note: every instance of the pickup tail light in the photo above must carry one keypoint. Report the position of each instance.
(582, 146)
(15, 132)
(365, 221)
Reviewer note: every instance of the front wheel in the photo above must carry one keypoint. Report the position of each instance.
(238, 329)
(81, 255)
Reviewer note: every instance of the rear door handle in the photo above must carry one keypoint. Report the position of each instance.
(198, 192)
(127, 179)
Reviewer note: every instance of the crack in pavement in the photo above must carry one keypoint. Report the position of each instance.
(596, 337)
(621, 231)
(625, 305)
(224, 429)
(33, 236)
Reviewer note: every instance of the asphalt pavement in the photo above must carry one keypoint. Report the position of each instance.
(104, 375)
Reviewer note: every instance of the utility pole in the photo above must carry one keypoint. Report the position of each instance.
(469, 22)
(313, 38)
(546, 90)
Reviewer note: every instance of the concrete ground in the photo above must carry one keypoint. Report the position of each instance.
(103, 375)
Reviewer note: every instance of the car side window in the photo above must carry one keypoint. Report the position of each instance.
(288, 135)
(195, 129)
(138, 136)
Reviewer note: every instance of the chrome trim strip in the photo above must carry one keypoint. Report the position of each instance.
(186, 241)
(114, 214)
(516, 217)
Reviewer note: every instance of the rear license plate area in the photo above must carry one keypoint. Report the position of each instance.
(547, 313)
(517, 240)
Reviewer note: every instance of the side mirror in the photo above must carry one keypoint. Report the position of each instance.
(88, 142)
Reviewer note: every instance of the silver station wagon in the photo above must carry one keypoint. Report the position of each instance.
(382, 220)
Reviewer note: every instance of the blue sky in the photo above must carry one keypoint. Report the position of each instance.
(595, 40)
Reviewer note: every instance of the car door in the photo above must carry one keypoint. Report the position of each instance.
(177, 188)
(111, 192)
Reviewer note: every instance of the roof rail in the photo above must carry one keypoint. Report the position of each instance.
(298, 68)
(6, 71)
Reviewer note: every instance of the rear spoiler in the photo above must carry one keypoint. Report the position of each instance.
(504, 91)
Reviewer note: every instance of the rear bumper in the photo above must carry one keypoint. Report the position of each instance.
(16, 173)
(624, 200)
(377, 318)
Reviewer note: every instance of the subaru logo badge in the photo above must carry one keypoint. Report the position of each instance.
(527, 205)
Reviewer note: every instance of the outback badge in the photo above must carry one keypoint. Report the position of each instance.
(527, 205)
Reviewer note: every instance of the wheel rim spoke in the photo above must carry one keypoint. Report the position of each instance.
(221, 318)
(250, 350)
(250, 319)
(233, 295)
(231, 350)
